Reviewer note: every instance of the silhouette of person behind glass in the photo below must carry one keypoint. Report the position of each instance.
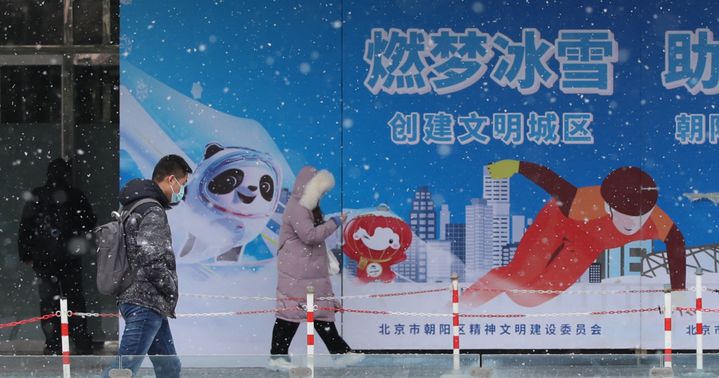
(54, 233)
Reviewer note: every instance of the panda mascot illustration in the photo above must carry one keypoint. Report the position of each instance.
(229, 199)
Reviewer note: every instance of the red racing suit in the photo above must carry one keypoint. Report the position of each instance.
(568, 235)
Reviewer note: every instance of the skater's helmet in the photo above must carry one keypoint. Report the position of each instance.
(630, 191)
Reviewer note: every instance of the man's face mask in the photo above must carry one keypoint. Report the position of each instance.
(180, 194)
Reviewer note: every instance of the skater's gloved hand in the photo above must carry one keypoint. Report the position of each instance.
(503, 169)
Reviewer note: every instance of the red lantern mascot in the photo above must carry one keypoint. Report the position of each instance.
(376, 241)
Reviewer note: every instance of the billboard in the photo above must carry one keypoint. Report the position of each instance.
(479, 138)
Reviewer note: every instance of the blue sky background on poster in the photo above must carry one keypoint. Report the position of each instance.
(692, 167)
(280, 79)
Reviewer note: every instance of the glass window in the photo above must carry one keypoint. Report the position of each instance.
(87, 16)
(31, 22)
(30, 94)
(96, 94)
(35, 131)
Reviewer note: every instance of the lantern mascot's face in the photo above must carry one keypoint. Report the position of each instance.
(376, 241)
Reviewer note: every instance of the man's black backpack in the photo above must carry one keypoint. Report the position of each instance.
(114, 273)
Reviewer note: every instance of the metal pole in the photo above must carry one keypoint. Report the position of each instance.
(700, 326)
(455, 321)
(106, 22)
(311, 329)
(65, 338)
(67, 86)
(667, 326)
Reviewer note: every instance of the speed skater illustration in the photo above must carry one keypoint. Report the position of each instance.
(573, 228)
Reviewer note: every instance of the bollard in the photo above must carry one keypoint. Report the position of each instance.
(65, 338)
(668, 326)
(456, 365)
(700, 327)
(455, 321)
(667, 370)
(311, 329)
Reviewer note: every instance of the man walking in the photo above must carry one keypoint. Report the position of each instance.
(150, 300)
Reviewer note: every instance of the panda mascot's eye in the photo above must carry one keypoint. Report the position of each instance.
(226, 181)
(267, 187)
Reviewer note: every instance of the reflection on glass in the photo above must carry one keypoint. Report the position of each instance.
(30, 94)
(54, 234)
(31, 22)
(87, 18)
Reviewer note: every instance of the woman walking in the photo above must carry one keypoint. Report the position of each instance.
(302, 261)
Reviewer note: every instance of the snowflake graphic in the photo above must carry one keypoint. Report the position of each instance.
(125, 45)
(141, 90)
(196, 90)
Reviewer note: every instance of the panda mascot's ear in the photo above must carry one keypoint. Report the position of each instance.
(212, 149)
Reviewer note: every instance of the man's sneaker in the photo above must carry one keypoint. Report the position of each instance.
(280, 364)
(348, 359)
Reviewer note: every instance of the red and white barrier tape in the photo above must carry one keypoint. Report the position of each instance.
(575, 292)
(242, 298)
(233, 313)
(95, 315)
(565, 314)
(27, 321)
(359, 296)
(385, 295)
(540, 315)
(429, 291)
(195, 315)
(694, 309)
(385, 312)
(404, 313)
